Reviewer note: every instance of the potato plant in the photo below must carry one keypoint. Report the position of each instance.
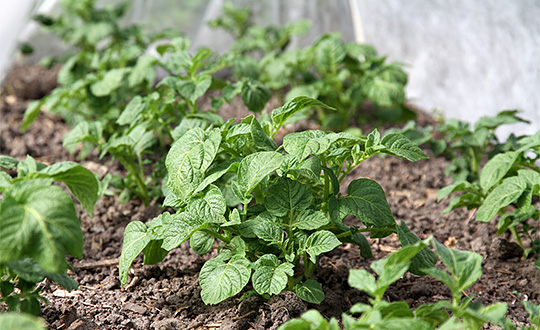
(275, 210)
(39, 227)
(463, 269)
(507, 187)
(466, 147)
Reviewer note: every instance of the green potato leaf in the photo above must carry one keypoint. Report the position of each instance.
(201, 242)
(39, 221)
(320, 242)
(211, 206)
(271, 275)
(32, 272)
(366, 201)
(286, 196)
(362, 280)
(310, 220)
(310, 291)
(496, 168)
(282, 114)
(254, 168)
(504, 194)
(386, 89)
(306, 143)
(268, 231)
(8, 162)
(534, 312)
(189, 158)
(18, 321)
(329, 53)
(82, 183)
(30, 114)
(398, 145)
(83, 132)
(181, 228)
(143, 70)
(425, 258)
(110, 82)
(132, 111)
(223, 277)
(136, 238)
(255, 95)
(465, 267)
(261, 140)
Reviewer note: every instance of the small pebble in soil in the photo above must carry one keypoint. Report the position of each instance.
(135, 308)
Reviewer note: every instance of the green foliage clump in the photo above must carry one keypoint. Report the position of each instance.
(507, 186)
(273, 208)
(463, 269)
(466, 147)
(39, 227)
(345, 76)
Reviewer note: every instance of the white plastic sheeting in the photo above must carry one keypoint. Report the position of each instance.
(467, 58)
(14, 17)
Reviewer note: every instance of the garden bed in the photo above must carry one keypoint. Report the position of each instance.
(167, 295)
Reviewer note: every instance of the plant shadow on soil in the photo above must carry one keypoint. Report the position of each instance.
(167, 295)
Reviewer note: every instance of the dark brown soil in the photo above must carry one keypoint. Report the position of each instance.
(166, 296)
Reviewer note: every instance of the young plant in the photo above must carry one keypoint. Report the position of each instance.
(507, 186)
(274, 209)
(39, 227)
(467, 148)
(463, 269)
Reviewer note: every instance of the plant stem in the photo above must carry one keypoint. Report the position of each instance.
(133, 171)
(217, 235)
(309, 267)
(290, 283)
(350, 233)
(517, 238)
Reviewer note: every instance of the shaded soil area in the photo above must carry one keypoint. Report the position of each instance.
(167, 295)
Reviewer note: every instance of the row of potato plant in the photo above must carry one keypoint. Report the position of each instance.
(102, 84)
(342, 75)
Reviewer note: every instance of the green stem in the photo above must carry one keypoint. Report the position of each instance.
(290, 283)
(347, 172)
(288, 220)
(231, 151)
(517, 238)
(350, 233)
(217, 235)
(192, 107)
(322, 116)
(309, 267)
(133, 171)
(326, 185)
